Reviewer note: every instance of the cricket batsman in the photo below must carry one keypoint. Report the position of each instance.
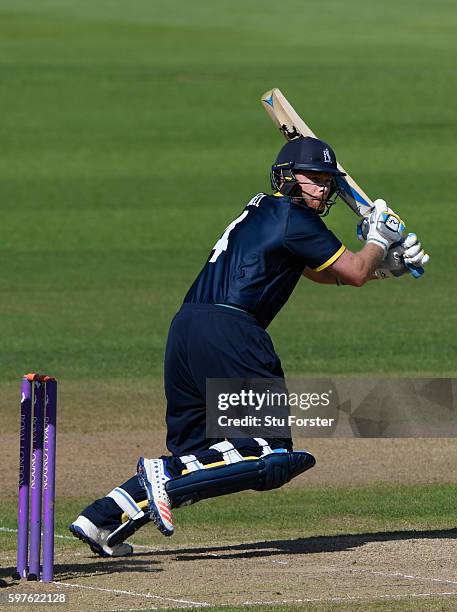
(220, 332)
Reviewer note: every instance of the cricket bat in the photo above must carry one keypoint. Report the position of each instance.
(291, 125)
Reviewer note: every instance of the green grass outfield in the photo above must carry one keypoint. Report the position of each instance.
(131, 134)
(296, 522)
(312, 515)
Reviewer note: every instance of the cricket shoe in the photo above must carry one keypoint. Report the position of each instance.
(152, 476)
(96, 538)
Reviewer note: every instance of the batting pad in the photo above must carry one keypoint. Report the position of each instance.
(269, 472)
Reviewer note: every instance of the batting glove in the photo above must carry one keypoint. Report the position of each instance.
(396, 261)
(414, 254)
(385, 227)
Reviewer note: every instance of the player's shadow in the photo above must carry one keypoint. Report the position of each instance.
(95, 566)
(91, 566)
(153, 561)
(302, 546)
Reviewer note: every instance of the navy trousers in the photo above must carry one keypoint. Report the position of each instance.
(210, 341)
(204, 341)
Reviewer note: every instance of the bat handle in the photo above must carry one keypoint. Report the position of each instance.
(416, 271)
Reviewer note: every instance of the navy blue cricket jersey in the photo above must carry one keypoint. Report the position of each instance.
(261, 256)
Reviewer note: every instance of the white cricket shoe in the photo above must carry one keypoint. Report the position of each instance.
(151, 474)
(96, 538)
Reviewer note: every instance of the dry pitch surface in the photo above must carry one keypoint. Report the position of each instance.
(404, 569)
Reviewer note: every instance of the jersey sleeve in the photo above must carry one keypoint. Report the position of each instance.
(308, 239)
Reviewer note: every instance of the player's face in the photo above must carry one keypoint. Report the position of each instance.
(315, 187)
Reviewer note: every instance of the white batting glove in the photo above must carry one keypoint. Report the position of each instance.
(396, 259)
(394, 262)
(363, 227)
(384, 226)
(413, 252)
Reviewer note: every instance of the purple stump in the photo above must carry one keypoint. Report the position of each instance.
(36, 479)
(49, 472)
(24, 477)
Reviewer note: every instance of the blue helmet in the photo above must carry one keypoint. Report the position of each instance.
(309, 154)
(306, 154)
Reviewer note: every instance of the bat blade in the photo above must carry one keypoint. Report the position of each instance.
(281, 112)
(291, 126)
